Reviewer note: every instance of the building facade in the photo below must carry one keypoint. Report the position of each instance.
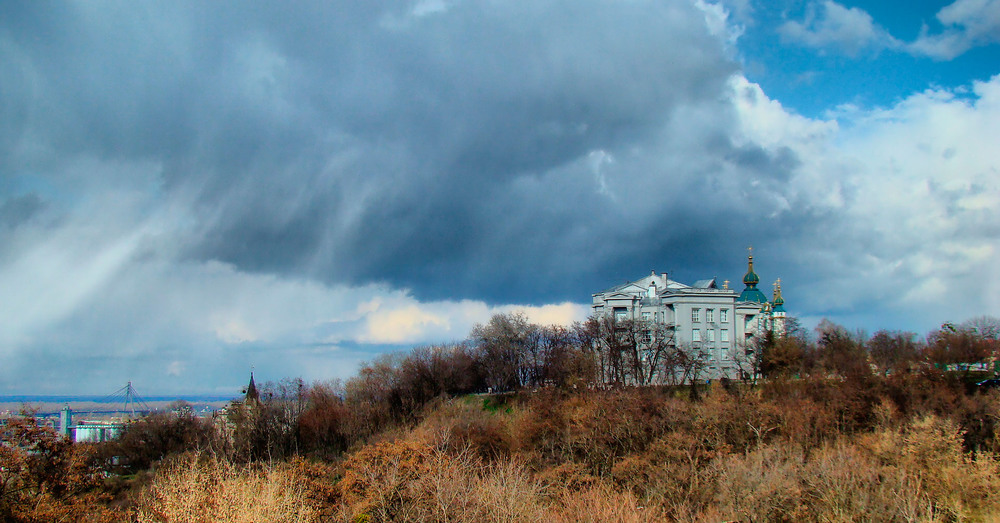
(714, 324)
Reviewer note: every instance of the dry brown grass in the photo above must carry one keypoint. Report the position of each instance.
(603, 504)
(423, 477)
(917, 472)
(200, 489)
(711, 469)
(697, 462)
(951, 485)
(419, 478)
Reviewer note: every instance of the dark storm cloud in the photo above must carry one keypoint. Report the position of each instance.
(444, 150)
(188, 188)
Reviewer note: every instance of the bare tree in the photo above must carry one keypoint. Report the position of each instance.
(631, 352)
(839, 352)
(986, 327)
(502, 344)
(587, 339)
(892, 351)
(748, 360)
(961, 347)
(610, 339)
(656, 343)
(683, 364)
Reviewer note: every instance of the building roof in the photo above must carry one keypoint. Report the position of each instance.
(753, 294)
(643, 283)
(632, 288)
(705, 284)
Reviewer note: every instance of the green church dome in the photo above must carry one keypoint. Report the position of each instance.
(751, 292)
(779, 302)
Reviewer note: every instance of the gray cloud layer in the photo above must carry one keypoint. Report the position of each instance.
(444, 151)
(185, 183)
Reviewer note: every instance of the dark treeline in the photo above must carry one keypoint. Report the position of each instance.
(510, 354)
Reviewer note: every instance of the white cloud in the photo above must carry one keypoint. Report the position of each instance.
(563, 314)
(830, 25)
(720, 20)
(402, 319)
(407, 324)
(293, 189)
(967, 24)
(913, 196)
(176, 368)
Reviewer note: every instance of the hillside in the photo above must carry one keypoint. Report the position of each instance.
(827, 434)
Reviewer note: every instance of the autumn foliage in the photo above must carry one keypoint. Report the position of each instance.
(833, 427)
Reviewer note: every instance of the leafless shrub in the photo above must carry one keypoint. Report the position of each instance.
(763, 485)
(202, 489)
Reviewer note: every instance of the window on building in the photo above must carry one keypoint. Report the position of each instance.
(695, 314)
(711, 334)
(696, 335)
(709, 315)
(645, 316)
(726, 355)
(724, 315)
(724, 335)
(647, 337)
(620, 313)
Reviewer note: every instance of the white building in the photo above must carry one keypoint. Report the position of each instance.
(97, 431)
(715, 324)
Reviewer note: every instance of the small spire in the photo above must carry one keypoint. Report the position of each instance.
(750, 280)
(779, 302)
(252, 394)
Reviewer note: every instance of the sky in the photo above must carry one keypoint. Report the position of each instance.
(191, 190)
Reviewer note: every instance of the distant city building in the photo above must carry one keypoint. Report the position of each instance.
(715, 324)
(65, 422)
(97, 431)
(93, 430)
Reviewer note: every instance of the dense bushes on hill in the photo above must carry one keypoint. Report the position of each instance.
(786, 450)
(702, 467)
(156, 436)
(555, 457)
(45, 477)
(841, 428)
